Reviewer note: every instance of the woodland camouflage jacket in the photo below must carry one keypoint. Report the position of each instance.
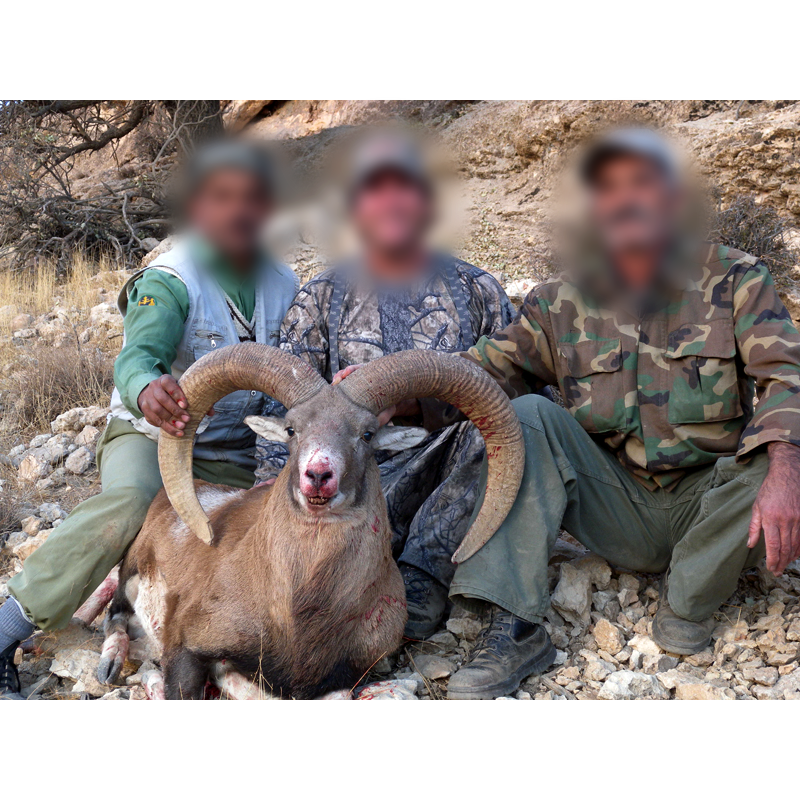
(673, 388)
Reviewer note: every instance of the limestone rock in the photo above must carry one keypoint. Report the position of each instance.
(433, 667)
(572, 597)
(105, 315)
(88, 437)
(79, 461)
(518, 290)
(21, 322)
(163, 247)
(50, 512)
(766, 676)
(464, 627)
(35, 466)
(24, 549)
(55, 479)
(237, 113)
(597, 568)
(629, 685)
(645, 645)
(608, 637)
(76, 419)
(81, 666)
(32, 525)
(690, 687)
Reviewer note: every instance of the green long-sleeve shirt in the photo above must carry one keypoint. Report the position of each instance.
(158, 307)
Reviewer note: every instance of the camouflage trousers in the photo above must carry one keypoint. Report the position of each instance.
(697, 531)
(431, 491)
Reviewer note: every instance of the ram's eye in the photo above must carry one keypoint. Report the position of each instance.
(290, 431)
(368, 436)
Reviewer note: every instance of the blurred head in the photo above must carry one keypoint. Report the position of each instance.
(390, 193)
(229, 195)
(634, 191)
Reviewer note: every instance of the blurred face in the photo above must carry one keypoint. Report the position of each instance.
(633, 206)
(229, 210)
(391, 212)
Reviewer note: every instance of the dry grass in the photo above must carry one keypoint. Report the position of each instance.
(9, 502)
(759, 230)
(50, 381)
(36, 291)
(38, 380)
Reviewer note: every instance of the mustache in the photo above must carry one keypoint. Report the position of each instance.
(629, 213)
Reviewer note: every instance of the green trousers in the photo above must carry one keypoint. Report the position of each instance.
(77, 556)
(698, 530)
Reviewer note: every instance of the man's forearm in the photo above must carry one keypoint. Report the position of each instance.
(783, 454)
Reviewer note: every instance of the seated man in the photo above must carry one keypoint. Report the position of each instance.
(398, 295)
(660, 463)
(214, 289)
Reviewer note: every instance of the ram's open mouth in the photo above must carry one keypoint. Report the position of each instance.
(318, 501)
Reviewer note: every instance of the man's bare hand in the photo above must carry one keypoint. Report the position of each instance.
(777, 508)
(406, 408)
(164, 405)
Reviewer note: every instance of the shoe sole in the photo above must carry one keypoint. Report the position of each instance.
(534, 667)
(673, 647)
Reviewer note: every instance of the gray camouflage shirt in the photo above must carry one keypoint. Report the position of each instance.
(376, 322)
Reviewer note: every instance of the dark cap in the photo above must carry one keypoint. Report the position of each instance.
(642, 142)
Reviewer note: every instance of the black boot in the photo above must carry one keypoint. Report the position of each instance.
(9, 677)
(508, 650)
(426, 599)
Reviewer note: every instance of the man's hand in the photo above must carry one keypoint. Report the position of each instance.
(164, 405)
(777, 508)
(406, 408)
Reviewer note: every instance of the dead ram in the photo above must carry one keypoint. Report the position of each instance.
(293, 585)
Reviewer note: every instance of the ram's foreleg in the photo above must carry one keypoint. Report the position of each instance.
(98, 599)
(115, 647)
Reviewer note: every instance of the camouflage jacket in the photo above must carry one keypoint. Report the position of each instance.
(714, 372)
(374, 323)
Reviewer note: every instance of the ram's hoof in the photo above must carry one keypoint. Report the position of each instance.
(112, 658)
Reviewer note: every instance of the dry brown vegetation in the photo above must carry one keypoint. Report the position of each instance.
(40, 381)
(53, 380)
(758, 229)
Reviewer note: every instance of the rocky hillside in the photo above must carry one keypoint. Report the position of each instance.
(509, 156)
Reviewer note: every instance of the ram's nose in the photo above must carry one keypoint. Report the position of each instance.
(319, 480)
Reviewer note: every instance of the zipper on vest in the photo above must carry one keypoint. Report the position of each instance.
(212, 337)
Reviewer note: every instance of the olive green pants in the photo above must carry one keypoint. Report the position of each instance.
(698, 530)
(77, 556)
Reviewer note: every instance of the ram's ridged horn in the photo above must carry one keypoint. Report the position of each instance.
(251, 366)
(426, 373)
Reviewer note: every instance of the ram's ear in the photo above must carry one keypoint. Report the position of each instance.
(271, 428)
(397, 437)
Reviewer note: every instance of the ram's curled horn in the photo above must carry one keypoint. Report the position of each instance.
(426, 373)
(251, 366)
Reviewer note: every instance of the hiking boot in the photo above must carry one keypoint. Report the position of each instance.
(9, 677)
(676, 634)
(507, 651)
(426, 599)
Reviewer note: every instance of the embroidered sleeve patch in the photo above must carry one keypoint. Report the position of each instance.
(147, 300)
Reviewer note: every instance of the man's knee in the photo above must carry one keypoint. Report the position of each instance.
(537, 411)
(533, 404)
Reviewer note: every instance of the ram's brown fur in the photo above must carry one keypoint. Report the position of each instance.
(302, 604)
